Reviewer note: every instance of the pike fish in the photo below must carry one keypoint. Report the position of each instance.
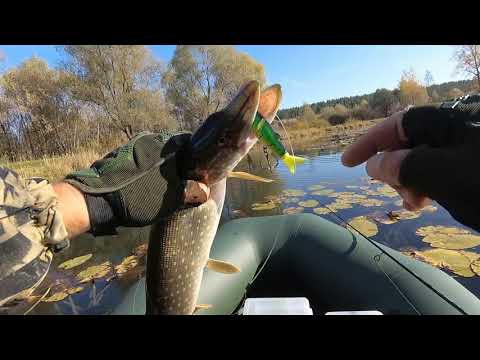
(179, 245)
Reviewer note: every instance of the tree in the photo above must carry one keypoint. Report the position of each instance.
(383, 102)
(39, 106)
(455, 93)
(435, 96)
(428, 78)
(468, 61)
(307, 114)
(202, 79)
(411, 91)
(121, 81)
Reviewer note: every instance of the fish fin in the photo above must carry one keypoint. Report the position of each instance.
(290, 161)
(246, 176)
(222, 266)
(199, 307)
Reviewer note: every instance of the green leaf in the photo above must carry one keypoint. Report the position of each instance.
(448, 237)
(69, 264)
(94, 272)
(293, 210)
(363, 225)
(308, 203)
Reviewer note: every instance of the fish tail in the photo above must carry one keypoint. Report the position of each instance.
(290, 161)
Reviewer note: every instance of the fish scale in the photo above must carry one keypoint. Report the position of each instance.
(179, 253)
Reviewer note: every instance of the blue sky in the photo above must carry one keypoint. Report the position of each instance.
(310, 73)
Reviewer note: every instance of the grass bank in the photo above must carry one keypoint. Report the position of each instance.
(302, 138)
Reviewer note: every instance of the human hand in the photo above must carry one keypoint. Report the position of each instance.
(427, 152)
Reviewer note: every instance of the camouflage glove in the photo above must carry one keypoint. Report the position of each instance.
(135, 184)
(443, 164)
(30, 224)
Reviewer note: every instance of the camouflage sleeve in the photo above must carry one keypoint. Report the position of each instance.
(30, 220)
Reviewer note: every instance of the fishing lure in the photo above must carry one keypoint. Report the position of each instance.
(264, 132)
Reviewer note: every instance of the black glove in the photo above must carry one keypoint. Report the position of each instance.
(443, 164)
(135, 184)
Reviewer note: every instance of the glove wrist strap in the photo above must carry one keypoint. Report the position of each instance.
(102, 217)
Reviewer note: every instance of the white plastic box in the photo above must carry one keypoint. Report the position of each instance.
(364, 312)
(277, 306)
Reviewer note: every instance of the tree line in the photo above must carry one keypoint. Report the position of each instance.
(410, 91)
(99, 96)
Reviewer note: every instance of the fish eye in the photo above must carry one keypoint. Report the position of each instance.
(221, 140)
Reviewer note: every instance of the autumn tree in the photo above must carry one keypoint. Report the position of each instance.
(307, 114)
(411, 91)
(121, 81)
(38, 107)
(467, 58)
(201, 79)
(383, 102)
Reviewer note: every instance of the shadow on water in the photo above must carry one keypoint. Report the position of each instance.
(322, 168)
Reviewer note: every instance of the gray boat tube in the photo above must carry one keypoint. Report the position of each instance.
(304, 255)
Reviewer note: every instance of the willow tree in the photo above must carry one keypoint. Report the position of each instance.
(200, 80)
(122, 81)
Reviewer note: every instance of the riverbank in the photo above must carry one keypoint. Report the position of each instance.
(313, 138)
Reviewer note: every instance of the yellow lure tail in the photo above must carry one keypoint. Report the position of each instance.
(290, 161)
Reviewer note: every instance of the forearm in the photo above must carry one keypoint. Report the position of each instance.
(73, 208)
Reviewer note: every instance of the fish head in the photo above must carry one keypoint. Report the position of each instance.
(226, 136)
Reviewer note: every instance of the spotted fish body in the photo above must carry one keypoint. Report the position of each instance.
(182, 256)
(179, 245)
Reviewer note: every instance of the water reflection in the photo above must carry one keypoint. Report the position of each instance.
(322, 168)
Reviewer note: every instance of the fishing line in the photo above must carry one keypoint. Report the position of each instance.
(383, 251)
(288, 138)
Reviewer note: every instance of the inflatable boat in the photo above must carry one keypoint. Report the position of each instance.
(306, 256)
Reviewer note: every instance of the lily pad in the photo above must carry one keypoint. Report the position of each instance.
(275, 198)
(94, 272)
(291, 200)
(462, 263)
(63, 294)
(387, 190)
(363, 225)
(374, 181)
(316, 187)
(475, 267)
(364, 187)
(383, 217)
(406, 215)
(69, 264)
(269, 205)
(293, 192)
(308, 203)
(342, 194)
(322, 211)
(323, 192)
(127, 264)
(293, 210)
(448, 237)
(340, 205)
(370, 202)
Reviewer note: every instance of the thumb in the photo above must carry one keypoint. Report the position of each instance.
(196, 192)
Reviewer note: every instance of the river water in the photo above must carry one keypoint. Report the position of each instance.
(325, 169)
